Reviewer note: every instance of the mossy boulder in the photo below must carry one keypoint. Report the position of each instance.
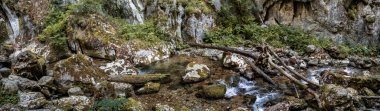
(92, 35)
(133, 105)
(72, 103)
(29, 65)
(339, 78)
(196, 72)
(213, 91)
(335, 97)
(79, 71)
(149, 87)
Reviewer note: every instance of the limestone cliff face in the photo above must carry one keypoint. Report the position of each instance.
(354, 21)
(343, 20)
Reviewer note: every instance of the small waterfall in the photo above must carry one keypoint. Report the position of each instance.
(242, 86)
(14, 23)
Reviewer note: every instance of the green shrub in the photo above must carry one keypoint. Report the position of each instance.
(147, 33)
(110, 105)
(8, 98)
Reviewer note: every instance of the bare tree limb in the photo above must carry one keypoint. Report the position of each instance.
(224, 49)
(259, 71)
(299, 83)
(290, 69)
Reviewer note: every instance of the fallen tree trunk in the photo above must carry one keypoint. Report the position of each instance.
(227, 49)
(259, 71)
(283, 72)
(140, 79)
(290, 69)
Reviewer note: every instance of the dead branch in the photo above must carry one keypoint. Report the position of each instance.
(283, 72)
(290, 69)
(227, 49)
(370, 97)
(259, 71)
(299, 83)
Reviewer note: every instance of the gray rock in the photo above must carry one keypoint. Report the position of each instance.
(10, 107)
(23, 84)
(28, 64)
(32, 100)
(9, 85)
(338, 97)
(160, 107)
(122, 89)
(76, 103)
(310, 48)
(75, 91)
(313, 62)
(235, 61)
(195, 72)
(5, 72)
(46, 81)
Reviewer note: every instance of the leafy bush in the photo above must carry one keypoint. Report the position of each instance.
(110, 105)
(147, 33)
(8, 98)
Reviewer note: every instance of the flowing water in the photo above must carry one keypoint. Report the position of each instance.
(13, 21)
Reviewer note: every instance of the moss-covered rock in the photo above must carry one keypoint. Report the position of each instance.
(331, 77)
(335, 97)
(77, 71)
(29, 65)
(213, 91)
(149, 87)
(72, 103)
(92, 35)
(133, 105)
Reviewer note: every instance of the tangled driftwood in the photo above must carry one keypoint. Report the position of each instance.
(270, 54)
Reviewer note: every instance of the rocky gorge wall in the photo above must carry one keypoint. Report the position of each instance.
(66, 50)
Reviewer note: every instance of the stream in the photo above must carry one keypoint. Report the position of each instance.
(237, 85)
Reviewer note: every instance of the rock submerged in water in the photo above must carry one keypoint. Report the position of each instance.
(213, 91)
(196, 73)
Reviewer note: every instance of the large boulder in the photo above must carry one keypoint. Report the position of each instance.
(28, 64)
(93, 36)
(77, 71)
(213, 91)
(14, 83)
(196, 72)
(237, 62)
(335, 97)
(122, 89)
